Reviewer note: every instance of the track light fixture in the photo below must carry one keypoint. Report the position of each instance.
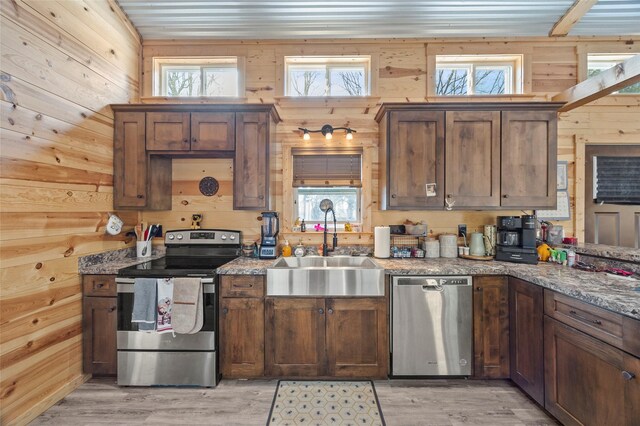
(327, 131)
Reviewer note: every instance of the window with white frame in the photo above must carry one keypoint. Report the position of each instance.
(478, 75)
(190, 77)
(598, 62)
(327, 76)
(335, 175)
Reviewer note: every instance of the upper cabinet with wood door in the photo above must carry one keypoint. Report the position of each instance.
(147, 137)
(529, 157)
(412, 153)
(473, 158)
(479, 155)
(251, 162)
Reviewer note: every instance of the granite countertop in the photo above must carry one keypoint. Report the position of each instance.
(615, 294)
(108, 263)
(627, 254)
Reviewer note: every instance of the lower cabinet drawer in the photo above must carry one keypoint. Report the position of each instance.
(615, 329)
(242, 286)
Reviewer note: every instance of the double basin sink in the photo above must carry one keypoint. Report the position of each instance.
(325, 276)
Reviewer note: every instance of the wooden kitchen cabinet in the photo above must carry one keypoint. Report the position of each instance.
(213, 131)
(99, 324)
(147, 137)
(251, 162)
(337, 337)
(412, 150)
(489, 155)
(130, 161)
(526, 362)
(528, 159)
(473, 158)
(168, 131)
(587, 381)
(491, 327)
(356, 337)
(242, 326)
(295, 337)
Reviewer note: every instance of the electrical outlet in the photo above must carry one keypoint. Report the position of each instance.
(462, 230)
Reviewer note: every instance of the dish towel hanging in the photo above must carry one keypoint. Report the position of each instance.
(144, 304)
(165, 305)
(187, 305)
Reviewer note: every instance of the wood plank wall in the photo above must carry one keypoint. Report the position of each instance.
(63, 63)
(400, 75)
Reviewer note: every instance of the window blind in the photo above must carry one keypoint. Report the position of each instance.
(327, 170)
(617, 180)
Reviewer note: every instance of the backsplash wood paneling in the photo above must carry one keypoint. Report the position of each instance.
(63, 64)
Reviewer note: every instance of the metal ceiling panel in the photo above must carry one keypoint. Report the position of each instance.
(295, 19)
(610, 17)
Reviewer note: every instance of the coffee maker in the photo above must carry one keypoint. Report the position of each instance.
(517, 239)
(269, 235)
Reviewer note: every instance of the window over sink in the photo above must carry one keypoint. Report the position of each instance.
(317, 175)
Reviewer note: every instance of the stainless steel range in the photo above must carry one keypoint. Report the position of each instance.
(148, 359)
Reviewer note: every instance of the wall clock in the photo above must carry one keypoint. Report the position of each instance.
(209, 186)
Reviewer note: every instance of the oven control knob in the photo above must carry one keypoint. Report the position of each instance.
(232, 237)
(179, 236)
(171, 236)
(223, 237)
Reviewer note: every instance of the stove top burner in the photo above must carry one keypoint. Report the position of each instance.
(190, 253)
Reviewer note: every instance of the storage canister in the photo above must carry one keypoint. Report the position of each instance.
(448, 245)
(432, 248)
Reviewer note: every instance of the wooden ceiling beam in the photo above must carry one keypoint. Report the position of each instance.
(571, 17)
(608, 81)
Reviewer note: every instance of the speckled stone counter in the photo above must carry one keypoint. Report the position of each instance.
(626, 254)
(246, 266)
(616, 294)
(108, 263)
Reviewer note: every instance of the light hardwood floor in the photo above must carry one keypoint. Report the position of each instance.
(404, 403)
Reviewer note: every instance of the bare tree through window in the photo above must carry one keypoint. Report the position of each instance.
(352, 82)
(305, 82)
(182, 83)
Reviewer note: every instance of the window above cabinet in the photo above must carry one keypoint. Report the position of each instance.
(188, 77)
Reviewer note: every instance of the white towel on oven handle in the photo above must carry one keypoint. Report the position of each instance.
(165, 306)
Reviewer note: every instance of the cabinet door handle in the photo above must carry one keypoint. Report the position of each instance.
(111, 309)
(597, 322)
(505, 196)
(140, 196)
(628, 375)
(194, 140)
(449, 195)
(99, 285)
(330, 311)
(185, 140)
(261, 197)
(321, 311)
(479, 288)
(225, 311)
(393, 195)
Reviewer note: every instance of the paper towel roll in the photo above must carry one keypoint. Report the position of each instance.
(382, 242)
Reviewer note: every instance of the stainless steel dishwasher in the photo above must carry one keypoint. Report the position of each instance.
(431, 326)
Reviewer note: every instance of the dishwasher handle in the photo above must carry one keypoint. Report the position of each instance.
(432, 285)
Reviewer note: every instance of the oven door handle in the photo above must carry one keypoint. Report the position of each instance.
(125, 285)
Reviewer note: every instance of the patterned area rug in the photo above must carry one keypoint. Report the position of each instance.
(325, 403)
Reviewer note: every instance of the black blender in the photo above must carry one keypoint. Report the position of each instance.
(269, 235)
